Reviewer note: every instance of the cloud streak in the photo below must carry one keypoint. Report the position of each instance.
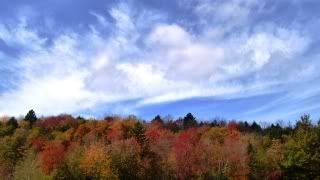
(127, 54)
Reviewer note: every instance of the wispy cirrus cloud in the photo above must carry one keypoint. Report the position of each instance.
(127, 53)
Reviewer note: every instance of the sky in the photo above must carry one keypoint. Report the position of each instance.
(234, 59)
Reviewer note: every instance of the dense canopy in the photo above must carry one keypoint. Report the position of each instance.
(64, 147)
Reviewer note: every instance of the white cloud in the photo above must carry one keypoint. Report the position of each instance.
(123, 20)
(163, 63)
(169, 36)
(19, 36)
(48, 95)
(229, 14)
(100, 18)
(184, 57)
(144, 79)
(263, 45)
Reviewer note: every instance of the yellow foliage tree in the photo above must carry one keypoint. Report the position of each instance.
(96, 163)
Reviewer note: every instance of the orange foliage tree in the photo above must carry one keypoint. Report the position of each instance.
(52, 156)
(96, 162)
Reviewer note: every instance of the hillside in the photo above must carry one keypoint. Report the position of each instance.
(64, 147)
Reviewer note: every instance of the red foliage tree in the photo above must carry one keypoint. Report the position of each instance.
(232, 126)
(235, 152)
(37, 144)
(153, 135)
(52, 156)
(188, 150)
(233, 129)
(62, 122)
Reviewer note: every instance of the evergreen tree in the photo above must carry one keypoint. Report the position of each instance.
(138, 132)
(255, 127)
(302, 153)
(11, 124)
(31, 117)
(157, 119)
(189, 121)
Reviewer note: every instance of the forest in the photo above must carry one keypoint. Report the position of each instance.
(76, 148)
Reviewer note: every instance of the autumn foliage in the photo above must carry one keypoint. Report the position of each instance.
(64, 147)
(52, 156)
(96, 162)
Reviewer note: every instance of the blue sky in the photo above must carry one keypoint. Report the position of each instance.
(237, 59)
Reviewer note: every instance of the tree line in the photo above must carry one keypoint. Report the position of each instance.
(67, 147)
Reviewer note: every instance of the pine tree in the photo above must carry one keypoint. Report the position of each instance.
(189, 121)
(31, 117)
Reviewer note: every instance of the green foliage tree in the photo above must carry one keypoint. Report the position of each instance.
(251, 162)
(158, 119)
(274, 131)
(302, 152)
(255, 127)
(31, 117)
(126, 161)
(189, 121)
(12, 150)
(9, 127)
(12, 125)
(138, 132)
(28, 169)
(12, 122)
